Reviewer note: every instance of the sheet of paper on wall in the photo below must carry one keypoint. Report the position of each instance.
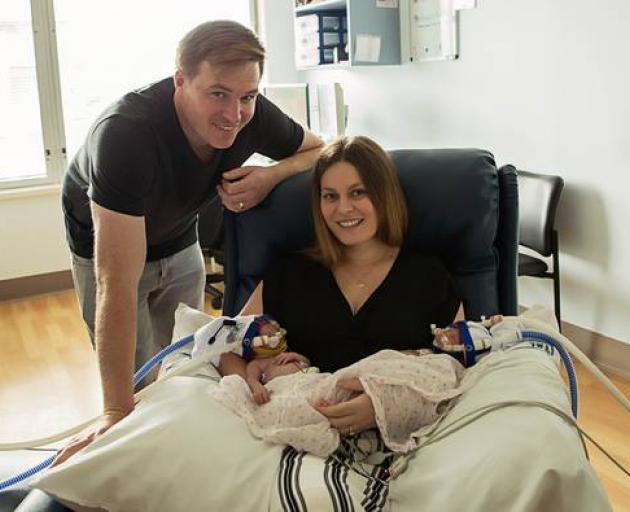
(433, 30)
(367, 48)
(460, 5)
(331, 110)
(387, 4)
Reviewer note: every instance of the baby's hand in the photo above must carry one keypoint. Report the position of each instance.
(288, 357)
(495, 319)
(260, 393)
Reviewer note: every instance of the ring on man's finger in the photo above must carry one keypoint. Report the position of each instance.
(241, 205)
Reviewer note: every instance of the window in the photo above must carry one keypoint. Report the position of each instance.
(83, 55)
(21, 139)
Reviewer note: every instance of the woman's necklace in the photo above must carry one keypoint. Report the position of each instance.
(360, 281)
(362, 278)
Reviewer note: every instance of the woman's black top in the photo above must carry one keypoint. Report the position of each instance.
(304, 297)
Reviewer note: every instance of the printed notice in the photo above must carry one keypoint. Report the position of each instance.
(433, 30)
(367, 48)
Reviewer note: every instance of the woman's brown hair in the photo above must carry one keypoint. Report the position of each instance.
(381, 182)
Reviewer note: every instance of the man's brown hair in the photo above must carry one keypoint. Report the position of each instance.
(220, 42)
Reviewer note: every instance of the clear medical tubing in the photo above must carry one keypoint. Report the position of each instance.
(138, 376)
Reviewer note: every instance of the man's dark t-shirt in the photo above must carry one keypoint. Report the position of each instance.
(136, 160)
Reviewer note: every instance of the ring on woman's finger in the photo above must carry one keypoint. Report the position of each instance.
(241, 205)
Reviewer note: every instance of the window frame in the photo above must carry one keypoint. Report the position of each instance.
(49, 95)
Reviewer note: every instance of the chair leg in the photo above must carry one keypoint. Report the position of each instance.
(216, 296)
(556, 281)
(556, 299)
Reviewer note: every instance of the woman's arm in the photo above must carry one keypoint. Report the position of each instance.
(254, 305)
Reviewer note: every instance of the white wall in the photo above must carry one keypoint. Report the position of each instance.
(32, 239)
(544, 85)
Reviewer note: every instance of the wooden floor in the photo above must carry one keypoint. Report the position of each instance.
(49, 382)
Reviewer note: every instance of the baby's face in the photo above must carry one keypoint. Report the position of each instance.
(269, 329)
(448, 336)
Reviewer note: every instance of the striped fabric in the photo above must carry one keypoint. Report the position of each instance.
(347, 481)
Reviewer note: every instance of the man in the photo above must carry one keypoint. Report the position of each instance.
(132, 193)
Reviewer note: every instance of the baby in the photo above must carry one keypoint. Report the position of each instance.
(469, 341)
(265, 342)
(264, 338)
(465, 341)
(407, 389)
(259, 340)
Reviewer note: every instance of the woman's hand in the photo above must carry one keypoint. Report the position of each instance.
(352, 416)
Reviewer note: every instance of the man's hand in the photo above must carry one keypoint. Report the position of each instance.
(352, 416)
(245, 187)
(84, 438)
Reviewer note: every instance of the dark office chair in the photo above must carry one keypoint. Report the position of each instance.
(538, 196)
(211, 231)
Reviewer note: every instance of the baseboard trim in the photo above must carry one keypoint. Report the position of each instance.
(21, 287)
(607, 353)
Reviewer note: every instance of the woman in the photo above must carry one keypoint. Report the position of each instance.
(359, 290)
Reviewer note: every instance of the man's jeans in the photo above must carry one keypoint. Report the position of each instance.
(163, 285)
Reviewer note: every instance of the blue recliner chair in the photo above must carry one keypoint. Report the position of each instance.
(461, 208)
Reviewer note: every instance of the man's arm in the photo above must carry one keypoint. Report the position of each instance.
(303, 160)
(245, 187)
(119, 256)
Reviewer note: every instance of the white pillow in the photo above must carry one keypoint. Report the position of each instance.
(187, 321)
(178, 450)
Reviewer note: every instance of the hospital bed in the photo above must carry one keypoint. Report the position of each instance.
(464, 210)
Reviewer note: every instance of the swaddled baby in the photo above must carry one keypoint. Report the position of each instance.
(408, 390)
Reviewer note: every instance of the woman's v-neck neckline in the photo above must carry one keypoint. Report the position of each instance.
(355, 314)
